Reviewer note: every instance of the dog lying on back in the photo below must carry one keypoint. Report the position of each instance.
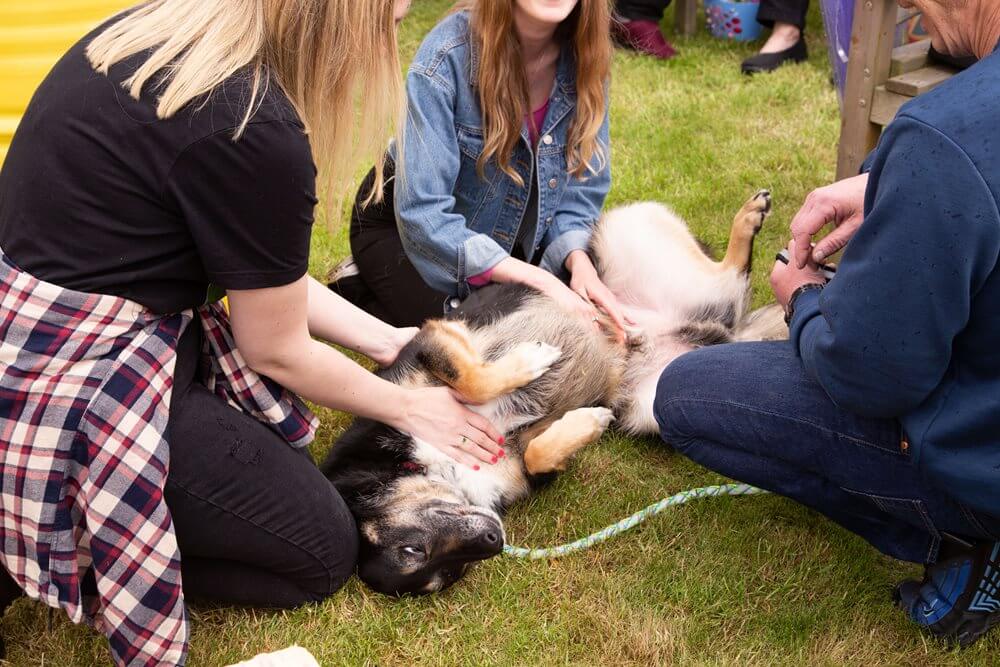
(548, 381)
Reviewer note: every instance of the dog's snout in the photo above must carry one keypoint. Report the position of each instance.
(491, 542)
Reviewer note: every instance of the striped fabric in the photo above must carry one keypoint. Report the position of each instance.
(85, 384)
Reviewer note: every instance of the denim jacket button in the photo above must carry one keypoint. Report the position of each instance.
(548, 220)
(553, 184)
(547, 140)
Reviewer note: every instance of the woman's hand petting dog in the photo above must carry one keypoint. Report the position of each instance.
(436, 415)
(586, 294)
(842, 204)
(786, 278)
(587, 284)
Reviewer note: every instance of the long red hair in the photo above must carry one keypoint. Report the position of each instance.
(503, 86)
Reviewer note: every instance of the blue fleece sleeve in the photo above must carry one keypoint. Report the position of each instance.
(879, 337)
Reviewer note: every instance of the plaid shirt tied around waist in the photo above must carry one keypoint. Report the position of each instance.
(85, 385)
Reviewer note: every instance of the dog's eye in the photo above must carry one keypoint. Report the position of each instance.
(413, 551)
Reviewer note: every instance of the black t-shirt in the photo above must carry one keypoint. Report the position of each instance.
(99, 195)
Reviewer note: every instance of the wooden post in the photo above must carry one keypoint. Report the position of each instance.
(686, 17)
(867, 67)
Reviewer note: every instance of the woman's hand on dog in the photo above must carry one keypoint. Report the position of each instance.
(436, 416)
(588, 286)
(842, 204)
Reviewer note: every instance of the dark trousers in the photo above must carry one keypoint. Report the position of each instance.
(783, 11)
(639, 10)
(749, 412)
(256, 521)
(394, 291)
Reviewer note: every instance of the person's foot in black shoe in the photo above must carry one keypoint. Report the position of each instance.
(785, 45)
(959, 597)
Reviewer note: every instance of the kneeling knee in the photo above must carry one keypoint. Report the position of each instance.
(673, 404)
(335, 553)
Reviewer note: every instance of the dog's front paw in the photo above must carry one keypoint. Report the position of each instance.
(533, 359)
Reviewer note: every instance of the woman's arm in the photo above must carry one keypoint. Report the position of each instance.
(336, 320)
(437, 240)
(271, 328)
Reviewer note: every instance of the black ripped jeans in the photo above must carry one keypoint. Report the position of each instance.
(256, 521)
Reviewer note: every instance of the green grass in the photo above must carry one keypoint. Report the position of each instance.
(757, 581)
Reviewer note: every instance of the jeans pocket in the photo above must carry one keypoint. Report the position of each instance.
(911, 511)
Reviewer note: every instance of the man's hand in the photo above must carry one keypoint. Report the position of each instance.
(786, 278)
(841, 204)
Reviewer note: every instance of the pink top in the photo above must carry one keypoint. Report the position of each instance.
(534, 122)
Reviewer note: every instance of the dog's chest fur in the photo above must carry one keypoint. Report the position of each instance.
(491, 487)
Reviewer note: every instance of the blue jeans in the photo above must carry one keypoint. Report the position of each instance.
(749, 412)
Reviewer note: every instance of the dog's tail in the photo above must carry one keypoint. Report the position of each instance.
(767, 323)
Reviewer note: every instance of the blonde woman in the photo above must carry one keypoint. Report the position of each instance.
(142, 435)
(504, 168)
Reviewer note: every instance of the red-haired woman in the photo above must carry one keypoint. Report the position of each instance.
(502, 169)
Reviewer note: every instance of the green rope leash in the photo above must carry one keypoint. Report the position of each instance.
(632, 521)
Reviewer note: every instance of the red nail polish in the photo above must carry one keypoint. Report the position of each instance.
(475, 467)
(494, 460)
(503, 453)
(501, 440)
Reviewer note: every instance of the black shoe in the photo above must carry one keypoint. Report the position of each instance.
(959, 598)
(768, 62)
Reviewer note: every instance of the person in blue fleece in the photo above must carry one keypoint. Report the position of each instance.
(883, 410)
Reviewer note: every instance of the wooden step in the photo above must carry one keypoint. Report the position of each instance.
(885, 105)
(909, 57)
(920, 81)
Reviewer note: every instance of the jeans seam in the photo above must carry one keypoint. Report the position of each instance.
(975, 522)
(820, 427)
(329, 573)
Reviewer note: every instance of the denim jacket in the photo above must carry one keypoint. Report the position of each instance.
(455, 225)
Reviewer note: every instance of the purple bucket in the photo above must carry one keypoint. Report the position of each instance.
(733, 20)
(838, 18)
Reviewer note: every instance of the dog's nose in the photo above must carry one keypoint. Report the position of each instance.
(491, 542)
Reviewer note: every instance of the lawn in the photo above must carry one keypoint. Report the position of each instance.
(748, 581)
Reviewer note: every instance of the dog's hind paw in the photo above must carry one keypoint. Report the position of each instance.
(533, 359)
(602, 417)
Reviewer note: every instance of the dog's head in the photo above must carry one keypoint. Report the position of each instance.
(421, 537)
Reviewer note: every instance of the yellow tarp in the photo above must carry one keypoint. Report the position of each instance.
(34, 34)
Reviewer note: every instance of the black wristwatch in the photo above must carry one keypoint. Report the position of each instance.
(790, 309)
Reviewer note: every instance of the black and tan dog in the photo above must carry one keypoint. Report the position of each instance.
(550, 382)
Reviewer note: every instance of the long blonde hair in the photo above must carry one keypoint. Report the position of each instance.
(503, 87)
(327, 56)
